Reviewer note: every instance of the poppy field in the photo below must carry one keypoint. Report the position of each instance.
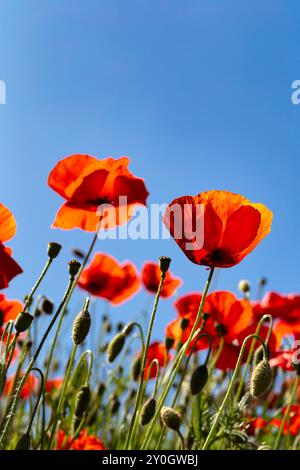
(224, 375)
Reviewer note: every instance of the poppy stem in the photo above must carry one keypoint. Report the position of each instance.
(250, 354)
(212, 432)
(144, 360)
(177, 364)
(9, 416)
(41, 390)
(286, 414)
(38, 282)
(62, 394)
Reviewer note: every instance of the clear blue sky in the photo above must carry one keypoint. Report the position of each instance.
(197, 93)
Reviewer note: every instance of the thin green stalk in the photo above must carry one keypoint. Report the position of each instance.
(250, 354)
(212, 432)
(38, 282)
(7, 418)
(144, 359)
(41, 391)
(62, 394)
(177, 365)
(287, 413)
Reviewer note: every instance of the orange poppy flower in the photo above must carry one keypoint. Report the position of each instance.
(82, 442)
(8, 266)
(157, 351)
(88, 184)
(151, 278)
(108, 279)
(217, 228)
(9, 309)
(30, 386)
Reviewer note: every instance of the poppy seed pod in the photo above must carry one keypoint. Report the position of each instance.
(184, 323)
(164, 263)
(101, 389)
(81, 327)
(74, 267)
(148, 411)
(135, 369)
(115, 347)
(198, 379)
(53, 249)
(169, 343)
(47, 306)
(261, 379)
(23, 443)
(244, 286)
(259, 354)
(170, 418)
(23, 322)
(82, 401)
(128, 329)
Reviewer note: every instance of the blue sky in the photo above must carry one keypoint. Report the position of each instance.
(197, 93)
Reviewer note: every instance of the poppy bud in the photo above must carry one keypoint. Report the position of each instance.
(164, 263)
(259, 354)
(74, 267)
(78, 253)
(184, 323)
(47, 306)
(76, 423)
(114, 404)
(37, 312)
(128, 328)
(23, 322)
(169, 343)
(261, 379)
(23, 443)
(262, 282)
(53, 249)
(148, 411)
(81, 327)
(115, 347)
(101, 389)
(119, 327)
(170, 418)
(135, 369)
(82, 401)
(198, 379)
(244, 286)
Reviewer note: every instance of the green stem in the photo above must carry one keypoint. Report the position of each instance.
(38, 399)
(286, 414)
(7, 418)
(144, 360)
(62, 395)
(38, 282)
(177, 365)
(250, 354)
(212, 432)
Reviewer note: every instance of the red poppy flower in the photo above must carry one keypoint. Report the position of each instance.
(108, 279)
(8, 266)
(227, 314)
(174, 330)
(250, 330)
(30, 386)
(87, 183)
(283, 359)
(151, 277)
(217, 228)
(82, 442)
(157, 351)
(292, 425)
(9, 309)
(256, 424)
(285, 309)
(53, 384)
